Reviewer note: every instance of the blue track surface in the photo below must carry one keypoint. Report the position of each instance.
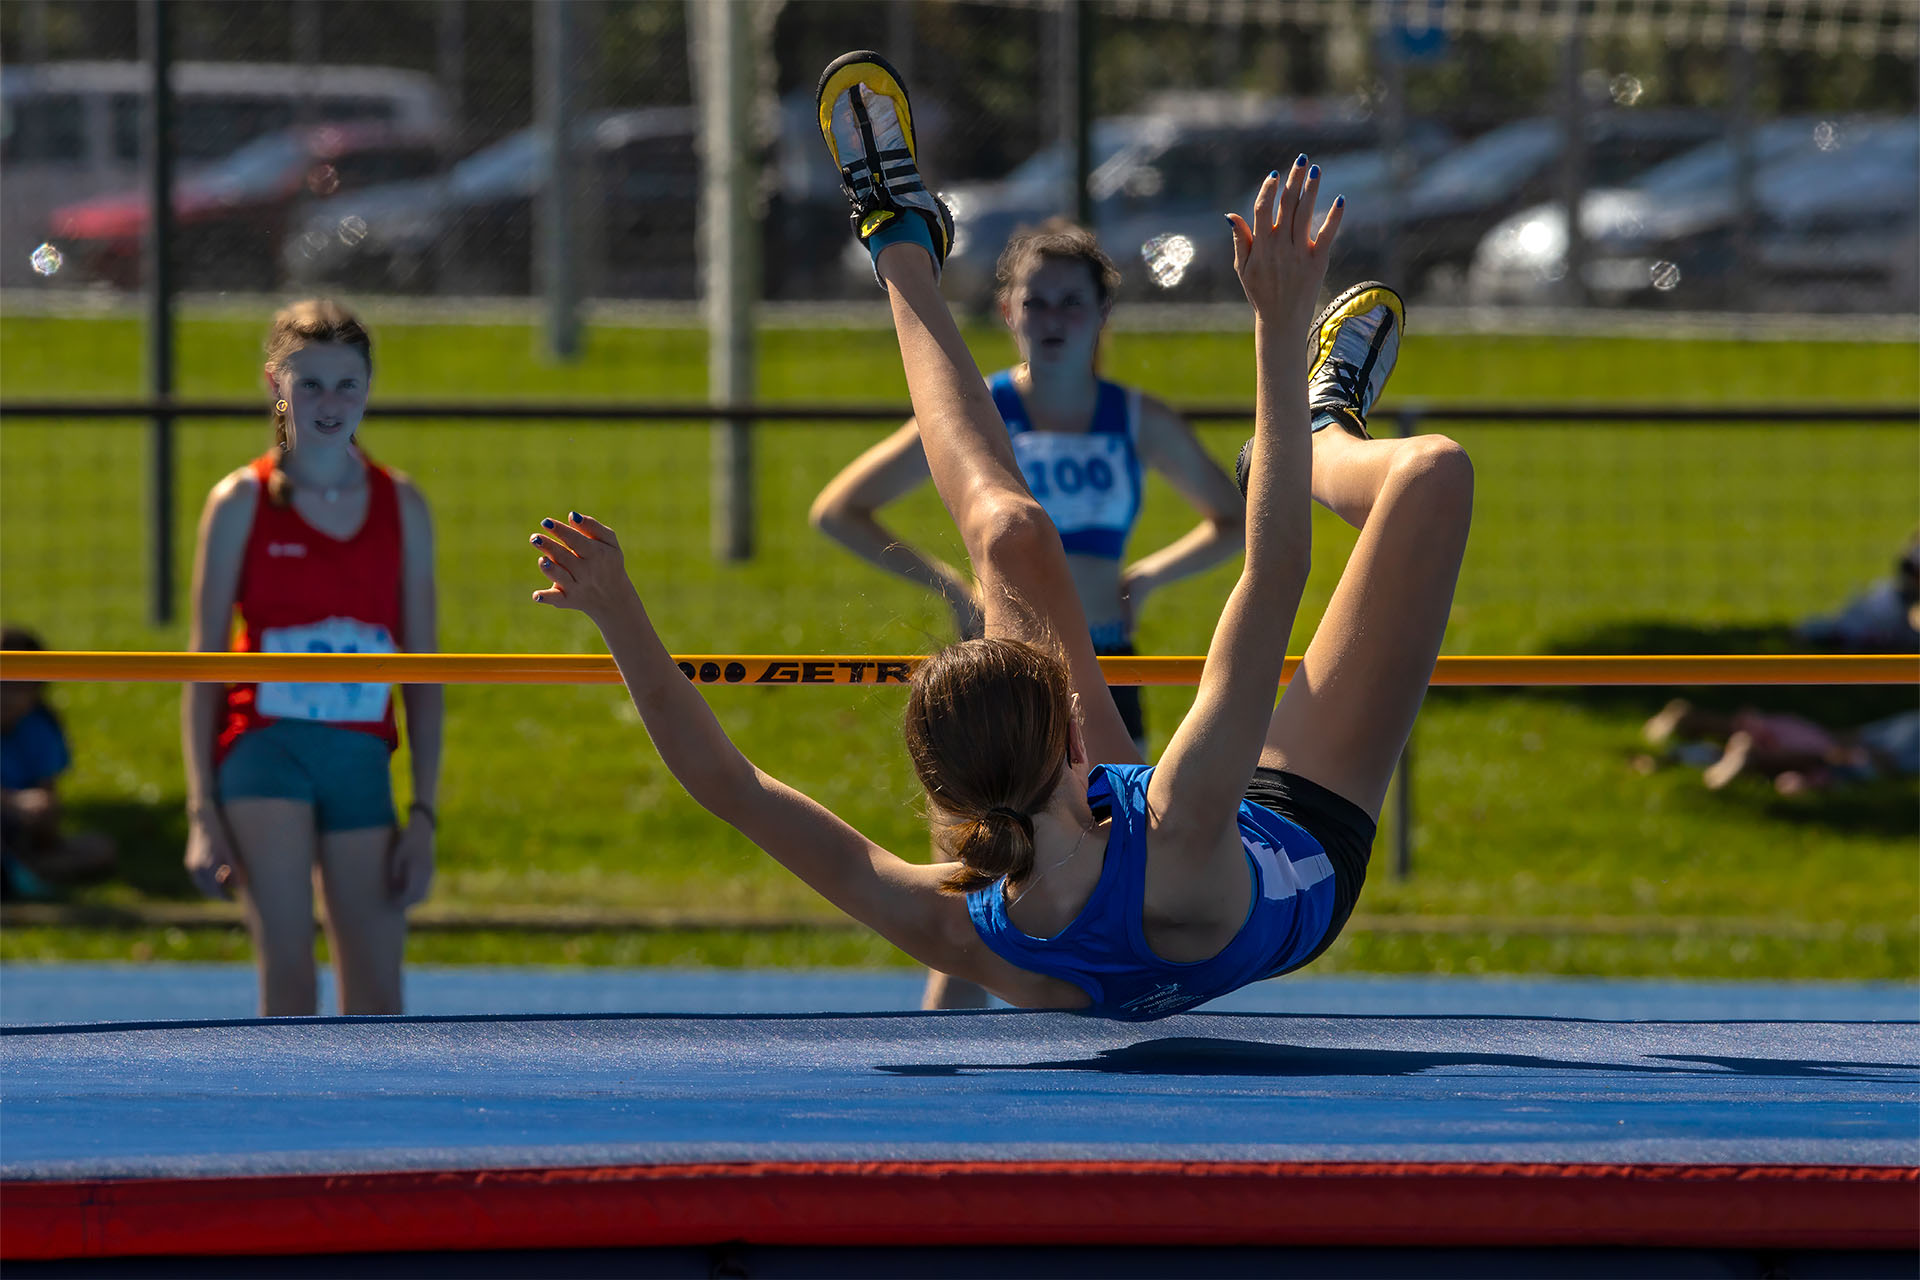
(377, 1094)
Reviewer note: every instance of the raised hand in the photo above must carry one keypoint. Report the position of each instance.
(582, 559)
(1280, 262)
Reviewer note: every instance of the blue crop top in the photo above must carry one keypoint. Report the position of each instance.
(1089, 482)
(1104, 951)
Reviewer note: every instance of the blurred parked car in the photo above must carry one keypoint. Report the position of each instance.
(73, 130)
(1454, 202)
(1160, 179)
(639, 193)
(232, 215)
(1669, 235)
(1838, 229)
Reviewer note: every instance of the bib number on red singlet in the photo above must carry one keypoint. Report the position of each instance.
(333, 703)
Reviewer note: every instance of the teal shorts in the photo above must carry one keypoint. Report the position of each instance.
(344, 774)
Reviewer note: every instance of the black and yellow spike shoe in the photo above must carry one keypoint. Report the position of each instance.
(867, 123)
(1351, 351)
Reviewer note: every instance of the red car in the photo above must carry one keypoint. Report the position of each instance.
(231, 216)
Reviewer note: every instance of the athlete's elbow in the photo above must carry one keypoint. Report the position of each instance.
(827, 514)
(1010, 530)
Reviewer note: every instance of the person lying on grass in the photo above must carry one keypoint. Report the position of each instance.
(1084, 879)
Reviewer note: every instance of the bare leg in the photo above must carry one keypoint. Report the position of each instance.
(365, 926)
(1348, 711)
(1026, 589)
(275, 840)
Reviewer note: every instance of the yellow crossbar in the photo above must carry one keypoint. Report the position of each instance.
(793, 669)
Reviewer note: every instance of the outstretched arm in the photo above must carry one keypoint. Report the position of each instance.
(848, 511)
(1212, 755)
(1026, 590)
(902, 902)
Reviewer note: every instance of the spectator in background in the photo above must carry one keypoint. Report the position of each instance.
(35, 854)
(320, 551)
(1883, 619)
(1794, 752)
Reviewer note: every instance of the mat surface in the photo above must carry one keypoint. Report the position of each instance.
(330, 1095)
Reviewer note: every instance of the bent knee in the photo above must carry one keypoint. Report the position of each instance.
(1438, 469)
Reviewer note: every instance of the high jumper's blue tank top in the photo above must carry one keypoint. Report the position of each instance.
(1104, 950)
(1089, 482)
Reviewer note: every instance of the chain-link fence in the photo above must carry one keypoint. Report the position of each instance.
(401, 154)
(1756, 153)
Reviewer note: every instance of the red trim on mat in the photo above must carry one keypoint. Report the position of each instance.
(947, 1203)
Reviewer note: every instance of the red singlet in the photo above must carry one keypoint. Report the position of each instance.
(304, 591)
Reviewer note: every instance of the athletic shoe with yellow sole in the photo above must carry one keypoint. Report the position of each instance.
(1351, 350)
(868, 126)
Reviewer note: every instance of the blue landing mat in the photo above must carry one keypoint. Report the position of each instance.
(329, 1095)
(47, 993)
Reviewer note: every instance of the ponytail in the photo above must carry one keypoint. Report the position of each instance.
(997, 843)
(987, 727)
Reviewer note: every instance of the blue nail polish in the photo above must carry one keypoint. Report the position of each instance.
(535, 539)
(575, 516)
(545, 563)
(545, 523)
(1274, 174)
(1314, 171)
(1338, 201)
(1302, 160)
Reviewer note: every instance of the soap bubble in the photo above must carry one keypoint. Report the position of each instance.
(353, 229)
(47, 259)
(1625, 89)
(324, 180)
(1826, 136)
(1665, 276)
(1167, 258)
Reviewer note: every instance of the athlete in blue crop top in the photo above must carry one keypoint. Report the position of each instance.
(1083, 444)
(1085, 879)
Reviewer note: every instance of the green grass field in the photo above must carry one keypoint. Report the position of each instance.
(1527, 808)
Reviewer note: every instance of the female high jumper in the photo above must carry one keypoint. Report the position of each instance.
(1084, 445)
(1124, 890)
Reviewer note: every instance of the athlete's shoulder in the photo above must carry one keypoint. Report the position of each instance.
(1156, 414)
(413, 502)
(238, 490)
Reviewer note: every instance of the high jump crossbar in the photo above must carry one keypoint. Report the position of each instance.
(844, 669)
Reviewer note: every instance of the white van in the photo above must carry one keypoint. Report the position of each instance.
(69, 130)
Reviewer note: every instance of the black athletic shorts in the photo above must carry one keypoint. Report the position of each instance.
(1342, 827)
(1126, 697)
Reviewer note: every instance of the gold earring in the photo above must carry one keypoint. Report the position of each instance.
(280, 406)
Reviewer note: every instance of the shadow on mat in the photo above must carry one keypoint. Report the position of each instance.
(1205, 1056)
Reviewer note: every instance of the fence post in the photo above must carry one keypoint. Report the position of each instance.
(156, 23)
(555, 100)
(1740, 131)
(1406, 423)
(1573, 158)
(724, 65)
(1393, 140)
(1072, 48)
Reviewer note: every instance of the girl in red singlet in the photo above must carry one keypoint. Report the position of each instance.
(319, 550)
